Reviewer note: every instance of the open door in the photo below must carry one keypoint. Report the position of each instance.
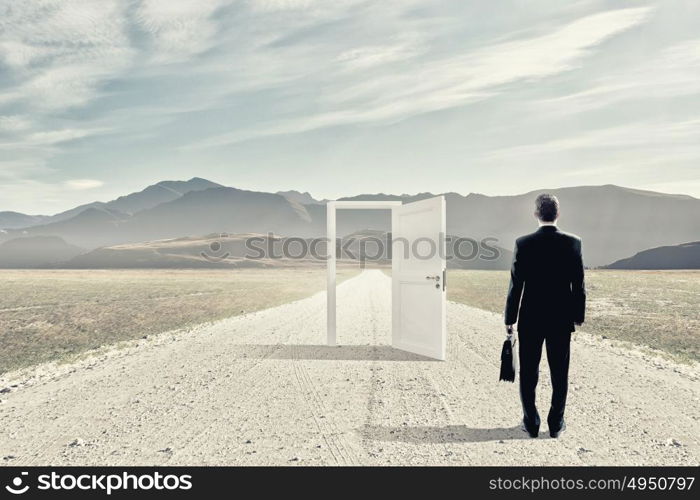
(419, 297)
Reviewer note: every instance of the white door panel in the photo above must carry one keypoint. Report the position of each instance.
(418, 275)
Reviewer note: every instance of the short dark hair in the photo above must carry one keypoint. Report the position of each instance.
(547, 207)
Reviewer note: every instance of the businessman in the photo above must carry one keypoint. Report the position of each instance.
(546, 297)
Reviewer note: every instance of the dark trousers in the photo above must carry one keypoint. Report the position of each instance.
(530, 352)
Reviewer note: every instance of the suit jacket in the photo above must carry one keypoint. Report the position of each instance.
(547, 288)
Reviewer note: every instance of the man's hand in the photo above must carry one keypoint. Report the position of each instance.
(509, 329)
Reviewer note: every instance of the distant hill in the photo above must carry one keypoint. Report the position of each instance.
(210, 251)
(149, 197)
(129, 204)
(156, 194)
(15, 220)
(36, 251)
(88, 228)
(685, 256)
(304, 198)
(219, 209)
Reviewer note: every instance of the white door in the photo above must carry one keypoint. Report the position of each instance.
(418, 277)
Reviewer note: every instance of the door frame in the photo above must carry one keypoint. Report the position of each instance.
(331, 208)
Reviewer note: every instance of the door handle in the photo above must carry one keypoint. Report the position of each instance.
(436, 277)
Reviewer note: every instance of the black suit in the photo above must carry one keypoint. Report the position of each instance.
(547, 274)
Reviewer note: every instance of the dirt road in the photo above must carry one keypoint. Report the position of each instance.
(263, 389)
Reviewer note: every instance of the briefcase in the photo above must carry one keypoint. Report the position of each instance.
(508, 359)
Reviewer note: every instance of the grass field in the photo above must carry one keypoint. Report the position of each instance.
(57, 314)
(659, 309)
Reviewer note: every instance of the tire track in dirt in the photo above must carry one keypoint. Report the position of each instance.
(315, 407)
(250, 385)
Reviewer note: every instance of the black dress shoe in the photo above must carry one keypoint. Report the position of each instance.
(533, 433)
(555, 433)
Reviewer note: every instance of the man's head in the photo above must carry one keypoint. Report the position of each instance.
(547, 208)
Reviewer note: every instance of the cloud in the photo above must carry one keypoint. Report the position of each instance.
(672, 72)
(61, 52)
(664, 137)
(492, 66)
(11, 169)
(21, 195)
(47, 139)
(179, 29)
(83, 184)
(14, 123)
(442, 83)
(58, 136)
(314, 7)
(275, 5)
(361, 58)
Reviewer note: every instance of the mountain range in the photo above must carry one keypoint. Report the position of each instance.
(685, 256)
(614, 222)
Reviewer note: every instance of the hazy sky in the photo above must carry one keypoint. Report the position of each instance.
(340, 97)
